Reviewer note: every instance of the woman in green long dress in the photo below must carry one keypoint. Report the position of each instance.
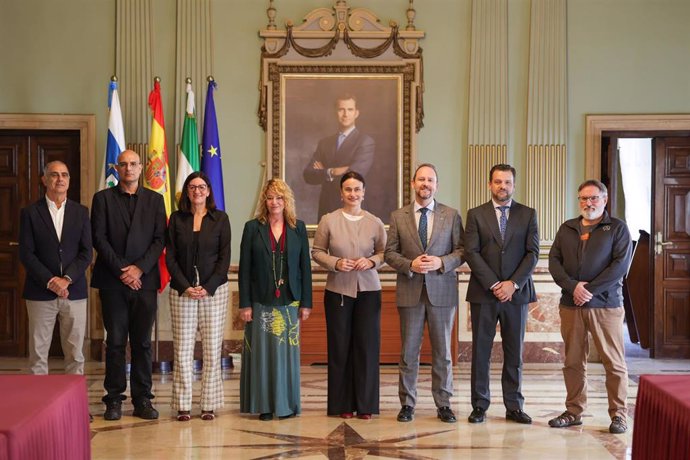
(275, 294)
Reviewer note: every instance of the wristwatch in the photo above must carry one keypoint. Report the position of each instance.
(516, 286)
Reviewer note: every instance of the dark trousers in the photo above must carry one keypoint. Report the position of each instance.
(513, 319)
(128, 314)
(354, 340)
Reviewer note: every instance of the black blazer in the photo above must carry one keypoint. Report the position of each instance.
(44, 256)
(121, 241)
(255, 264)
(214, 250)
(493, 260)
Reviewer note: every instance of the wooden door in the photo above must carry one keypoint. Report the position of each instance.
(671, 246)
(22, 157)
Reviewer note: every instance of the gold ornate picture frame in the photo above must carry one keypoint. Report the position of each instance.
(336, 53)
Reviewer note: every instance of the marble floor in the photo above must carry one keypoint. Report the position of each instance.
(314, 435)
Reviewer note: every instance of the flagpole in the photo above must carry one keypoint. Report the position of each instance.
(162, 367)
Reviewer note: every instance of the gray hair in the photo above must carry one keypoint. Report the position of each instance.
(594, 183)
(47, 165)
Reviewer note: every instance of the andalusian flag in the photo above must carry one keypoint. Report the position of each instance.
(156, 176)
(210, 154)
(115, 144)
(188, 158)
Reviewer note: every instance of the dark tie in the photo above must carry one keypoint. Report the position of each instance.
(503, 221)
(422, 226)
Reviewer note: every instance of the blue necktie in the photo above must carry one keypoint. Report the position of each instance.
(341, 139)
(502, 221)
(422, 226)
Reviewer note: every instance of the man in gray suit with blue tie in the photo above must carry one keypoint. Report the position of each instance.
(501, 248)
(425, 247)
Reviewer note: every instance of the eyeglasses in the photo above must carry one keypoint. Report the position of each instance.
(131, 164)
(200, 187)
(585, 199)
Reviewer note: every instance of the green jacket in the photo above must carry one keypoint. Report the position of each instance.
(255, 264)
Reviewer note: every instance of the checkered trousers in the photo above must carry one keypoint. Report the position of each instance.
(208, 315)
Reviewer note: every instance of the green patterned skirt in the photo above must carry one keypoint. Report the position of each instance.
(269, 379)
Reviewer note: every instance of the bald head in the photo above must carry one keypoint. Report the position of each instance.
(129, 168)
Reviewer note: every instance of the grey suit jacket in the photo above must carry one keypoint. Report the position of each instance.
(404, 246)
(493, 260)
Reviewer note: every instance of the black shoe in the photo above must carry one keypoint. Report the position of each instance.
(144, 409)
(113, 410)
(283, 417)
(478, 415)
(446, 414)
(406, 414)
(266, 417)
(518, 416)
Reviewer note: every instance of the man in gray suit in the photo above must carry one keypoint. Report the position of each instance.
(425, 247)
(502, 248)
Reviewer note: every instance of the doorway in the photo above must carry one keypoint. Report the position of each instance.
(27, 143)
(668, 247)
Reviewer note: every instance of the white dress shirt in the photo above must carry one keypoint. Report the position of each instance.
(57, 214)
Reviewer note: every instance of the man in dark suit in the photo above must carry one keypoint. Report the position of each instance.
(128, 223)
(502, 248)
(425, 247)
(348, 150)
(55, 249)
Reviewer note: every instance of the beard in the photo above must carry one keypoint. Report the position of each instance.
(424, 193)
(592, 213)
(502, 197)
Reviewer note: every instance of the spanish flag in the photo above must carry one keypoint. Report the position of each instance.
(156, 175)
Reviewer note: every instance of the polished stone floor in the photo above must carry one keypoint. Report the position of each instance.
(314, 435)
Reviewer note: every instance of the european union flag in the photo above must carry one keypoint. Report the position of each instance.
(211, 163)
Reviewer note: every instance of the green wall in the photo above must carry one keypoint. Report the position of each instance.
(624, 56)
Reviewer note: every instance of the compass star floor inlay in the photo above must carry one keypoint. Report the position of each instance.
(313, 435)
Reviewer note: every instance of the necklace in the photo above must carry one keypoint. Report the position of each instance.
(277, 280)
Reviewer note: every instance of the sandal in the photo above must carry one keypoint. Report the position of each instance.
(564, 420)
(207, 415)
(183, 416)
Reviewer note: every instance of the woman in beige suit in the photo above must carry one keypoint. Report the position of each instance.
(350, 243)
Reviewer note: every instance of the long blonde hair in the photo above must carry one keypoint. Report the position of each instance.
(278, 187)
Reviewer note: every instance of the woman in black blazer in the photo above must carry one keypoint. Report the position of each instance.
(275, 293)
(198, 258)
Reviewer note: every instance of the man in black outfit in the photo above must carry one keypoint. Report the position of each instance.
(128, 223)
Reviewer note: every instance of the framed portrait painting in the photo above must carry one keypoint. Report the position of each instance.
(330, 105)
(311, 158)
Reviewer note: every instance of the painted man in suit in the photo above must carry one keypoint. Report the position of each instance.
(501, 248)
(347, 150)
(128, 223)
(425, 247)
(55, 249)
